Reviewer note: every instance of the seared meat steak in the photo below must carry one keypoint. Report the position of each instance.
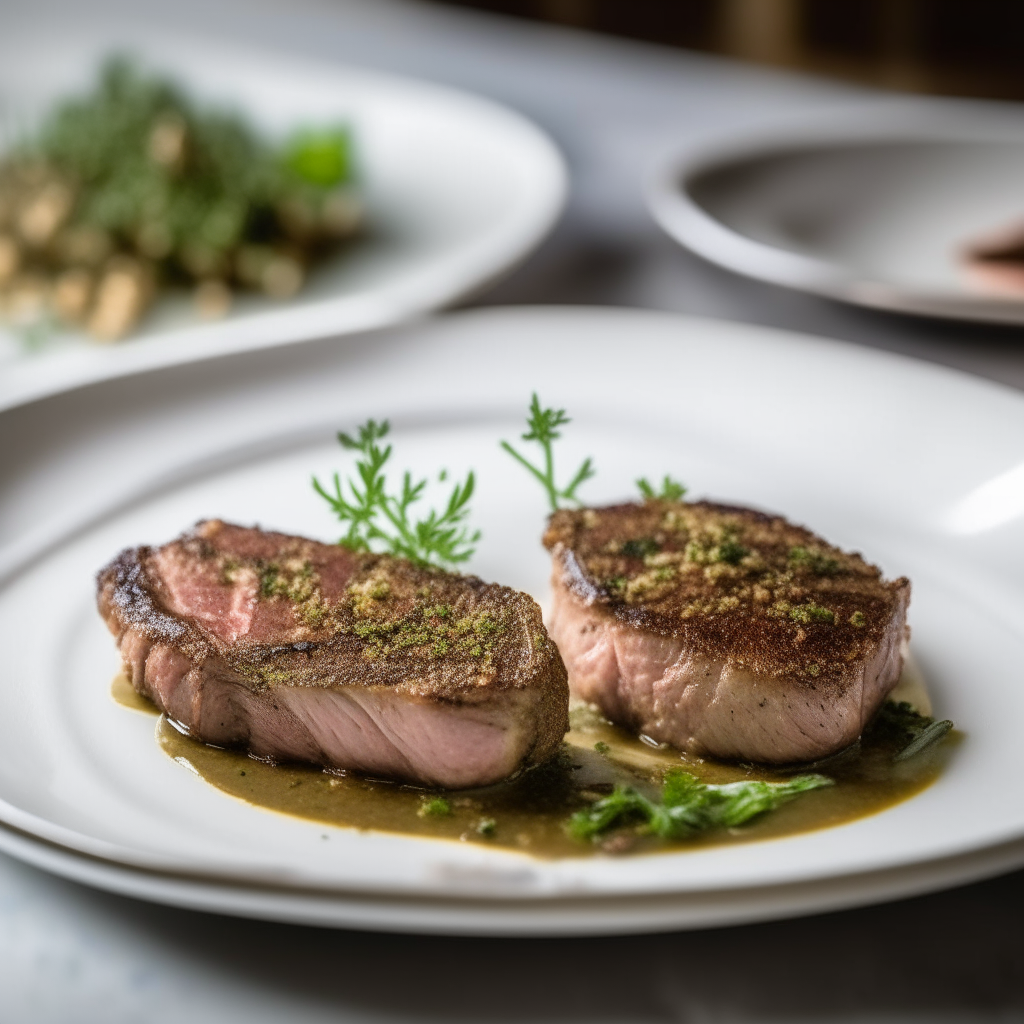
(721, 630)
(297, 650)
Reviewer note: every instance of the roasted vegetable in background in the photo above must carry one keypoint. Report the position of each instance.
(132, 188)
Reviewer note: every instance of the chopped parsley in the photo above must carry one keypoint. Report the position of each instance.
(430, 627)
(434, 807)
(811, 612)
(640, 547)
(814, 561)
(727, 549)
(687, 806)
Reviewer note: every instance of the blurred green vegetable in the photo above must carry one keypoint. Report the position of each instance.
(321, 158)
(135, 179)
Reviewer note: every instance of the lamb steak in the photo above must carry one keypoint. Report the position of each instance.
(722, 630)
(300, 651)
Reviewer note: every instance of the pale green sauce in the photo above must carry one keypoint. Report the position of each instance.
(529, 812)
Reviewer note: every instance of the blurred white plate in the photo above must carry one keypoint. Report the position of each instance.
(458, 189)
(919, 467)
(872, 213)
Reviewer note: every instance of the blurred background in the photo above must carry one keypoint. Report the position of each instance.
(946, 47)
(618, 85)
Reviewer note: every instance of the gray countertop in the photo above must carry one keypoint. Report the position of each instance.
(69, 954)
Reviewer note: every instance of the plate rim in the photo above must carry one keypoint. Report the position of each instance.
(673, 208)
(564, 916)
(529, 315)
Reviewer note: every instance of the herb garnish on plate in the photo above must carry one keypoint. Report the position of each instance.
(543, 424)
(687, 806)
(899, 724)
(542, 427)
(382, 521)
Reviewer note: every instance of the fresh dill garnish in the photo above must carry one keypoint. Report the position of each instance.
(898, 724)
(543, 424)
(671, 490)
(378, 520)
(687, 806)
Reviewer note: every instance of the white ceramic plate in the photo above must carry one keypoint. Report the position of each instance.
(518, 915)
(458, 190)
(874, 213)
(920, 468)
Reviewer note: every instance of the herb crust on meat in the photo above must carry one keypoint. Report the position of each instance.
(733, 596)
(273, 628)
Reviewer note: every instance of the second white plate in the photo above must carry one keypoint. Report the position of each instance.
(872, 212)
(458, 191)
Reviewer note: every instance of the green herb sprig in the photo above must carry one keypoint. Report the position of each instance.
(899, 724)
(543, 424)
(671, 490)
(378, 520)
(543, 427)
(687, 806)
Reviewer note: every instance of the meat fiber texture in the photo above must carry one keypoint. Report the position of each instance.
(301, 651)
(721, 630)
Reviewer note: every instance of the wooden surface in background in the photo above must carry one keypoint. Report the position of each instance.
(947, 47)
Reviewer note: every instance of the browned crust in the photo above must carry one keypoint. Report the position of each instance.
(387, 640)
(729, 581)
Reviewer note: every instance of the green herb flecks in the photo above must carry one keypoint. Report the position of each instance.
(640, 547)
(726, 548)
(381, 521)
(899, 724)
(687, 806)
(298, 584)
(434, 807)
(818, 563)
(543, 424)
(433, 629)
(811, 612)
(671, 490)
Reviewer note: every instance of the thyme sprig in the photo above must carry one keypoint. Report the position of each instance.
(381, 521)
(687, 806)
(543, 424)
